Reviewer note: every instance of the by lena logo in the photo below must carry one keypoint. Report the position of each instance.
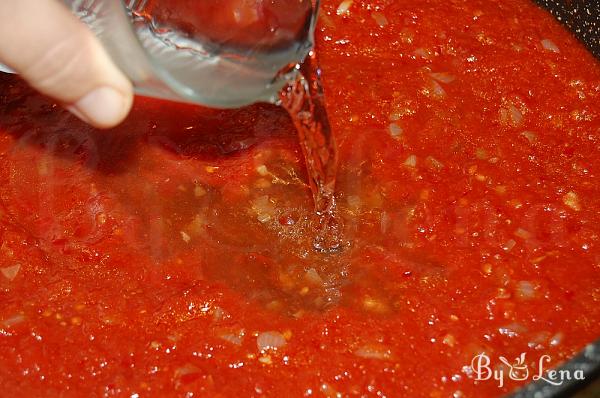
(519, 370)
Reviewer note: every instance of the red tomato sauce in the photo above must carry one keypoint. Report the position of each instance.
(172, 255)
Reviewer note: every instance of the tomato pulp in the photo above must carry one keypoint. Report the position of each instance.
(171, 256)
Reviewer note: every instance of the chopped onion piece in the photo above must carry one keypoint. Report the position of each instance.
(385, 222)
(270, 341)
(525, 290)
(11, 272)
(523, 234)
(395, 130)
(262, 183)
(13, 320)
(199, 191)
(373, 352)
(264, 208)
(197, 226)
(437, 91)
(265, 360)
(262, 170)
(186, 238)
(487, 268)
(511, 116)
(263, 217)
(186, 369)
(344, 7)
(44, 166)
(556, 339)
(501, 189)
(374, 305)
(449, 340)
(233, 338)
(572, 200)
(434, 163)
(516, 203)
(411, 161)
(219, 314)
(423, 53)
(313, 277)
(515, 115)
(530, 135)
(354, 202)
(443, 77)
(380, 19)
(509, 245)
(550, 45)
(538, 259)
(187, 373)
(5, 250)
(481, 154)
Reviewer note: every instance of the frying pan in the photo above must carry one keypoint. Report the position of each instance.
(582, 18)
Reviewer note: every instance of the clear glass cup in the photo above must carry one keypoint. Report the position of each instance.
(162, 62)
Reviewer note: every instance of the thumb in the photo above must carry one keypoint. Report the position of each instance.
(57, 55)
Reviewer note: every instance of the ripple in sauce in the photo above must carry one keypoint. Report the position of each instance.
(170, 256)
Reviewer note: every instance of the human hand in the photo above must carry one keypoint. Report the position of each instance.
(57, 55)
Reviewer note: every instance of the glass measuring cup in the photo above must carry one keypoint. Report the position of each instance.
(209, 65)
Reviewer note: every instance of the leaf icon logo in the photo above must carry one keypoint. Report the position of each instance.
(518, 370)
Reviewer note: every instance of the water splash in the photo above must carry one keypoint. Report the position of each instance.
(304, 100)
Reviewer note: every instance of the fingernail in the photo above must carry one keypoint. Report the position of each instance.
(102, 107)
